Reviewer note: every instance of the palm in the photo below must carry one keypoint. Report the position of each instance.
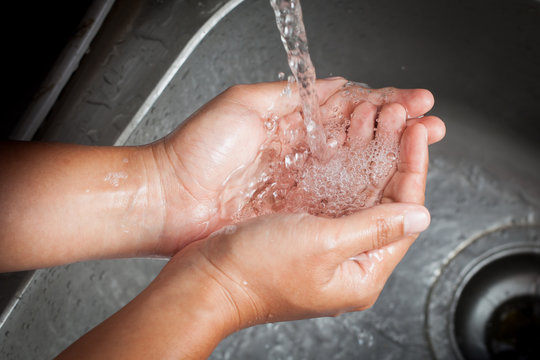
(223, 138)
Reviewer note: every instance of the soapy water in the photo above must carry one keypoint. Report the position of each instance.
(312, 163)
(288, 178)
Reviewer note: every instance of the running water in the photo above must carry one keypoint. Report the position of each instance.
(297, 169)
(293, 35)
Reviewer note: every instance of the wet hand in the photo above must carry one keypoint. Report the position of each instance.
(224, 137)
(293, 266)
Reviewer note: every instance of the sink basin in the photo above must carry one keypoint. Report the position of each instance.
(479, 58)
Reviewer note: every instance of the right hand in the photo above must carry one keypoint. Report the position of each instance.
(288, 267)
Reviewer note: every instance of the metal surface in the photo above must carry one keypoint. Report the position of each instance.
(513, 275)
(67, 63)
(173, 69)
(490, 270)
(135, 47)
(479, 58)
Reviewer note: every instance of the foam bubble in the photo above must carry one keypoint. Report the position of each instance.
(292, 180)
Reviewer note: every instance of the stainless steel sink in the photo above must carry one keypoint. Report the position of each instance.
(155, 63)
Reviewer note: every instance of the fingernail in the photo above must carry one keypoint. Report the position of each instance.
(416, 221)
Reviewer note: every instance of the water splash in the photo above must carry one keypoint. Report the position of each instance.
(289, 179)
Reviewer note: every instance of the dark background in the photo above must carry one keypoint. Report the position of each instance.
(34, 33)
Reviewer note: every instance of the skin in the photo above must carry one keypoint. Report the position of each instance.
(65, 203)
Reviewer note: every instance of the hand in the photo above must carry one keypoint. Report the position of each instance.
(224, 136)
(292, 266)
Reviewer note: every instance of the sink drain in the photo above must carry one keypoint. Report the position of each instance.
(490, 317)
(486, 302)
(513, 330)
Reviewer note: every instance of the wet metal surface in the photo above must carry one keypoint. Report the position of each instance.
(136, 45)
(480, 58)
(65, 65)
(493, 268)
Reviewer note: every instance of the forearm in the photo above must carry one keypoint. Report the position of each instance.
(62, 203)
(181, 315)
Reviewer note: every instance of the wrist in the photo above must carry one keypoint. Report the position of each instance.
(192, 304)
(126, 196)
(92, 202)
(235, 297)
(186, 217)
(180, 315)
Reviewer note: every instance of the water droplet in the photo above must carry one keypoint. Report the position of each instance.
(287, 31)
(289, 19)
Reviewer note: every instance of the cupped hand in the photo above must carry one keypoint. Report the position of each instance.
(292, 266)
(224, 137)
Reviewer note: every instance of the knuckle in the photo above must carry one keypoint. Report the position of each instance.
(382, 233)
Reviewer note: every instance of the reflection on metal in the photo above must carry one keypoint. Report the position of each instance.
(173, 69)
(66, 64)
(15, 297)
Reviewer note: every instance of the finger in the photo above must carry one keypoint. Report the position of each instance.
(376, 227)
(363, 122)
(435, 127)
(369, 271)
(391, 122)
(269, 98)
(409, 182)
(416, 101)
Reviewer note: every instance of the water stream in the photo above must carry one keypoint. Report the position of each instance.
(293, 35)
(331, 159)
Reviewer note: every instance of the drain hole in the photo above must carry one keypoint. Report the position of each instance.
(513, 331)
(497, 315)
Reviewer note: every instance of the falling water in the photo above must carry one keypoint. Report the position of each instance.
(293, 35)
(313, 164)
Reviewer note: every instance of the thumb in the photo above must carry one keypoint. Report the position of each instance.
(379, 226)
